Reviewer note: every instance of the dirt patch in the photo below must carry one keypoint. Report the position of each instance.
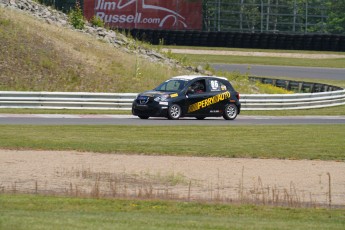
(255, 54)
(172, 177)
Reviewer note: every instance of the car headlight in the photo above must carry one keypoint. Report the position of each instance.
(162, 98)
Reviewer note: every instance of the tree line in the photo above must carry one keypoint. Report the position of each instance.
(296, 16)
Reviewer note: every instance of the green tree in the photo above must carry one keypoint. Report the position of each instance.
(297, 16)
(336, 16)
(251, 13)
(76, 17)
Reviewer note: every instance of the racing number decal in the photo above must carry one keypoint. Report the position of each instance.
(208, 101)
(214, 85)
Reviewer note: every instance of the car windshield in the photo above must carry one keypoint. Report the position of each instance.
(171, 85)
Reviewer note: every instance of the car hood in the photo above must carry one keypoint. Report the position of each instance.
(153, 93)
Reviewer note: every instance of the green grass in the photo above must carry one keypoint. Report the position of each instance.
(229, 59)
(43, 212)
(248, 49)
(324, 142)
(251, 60)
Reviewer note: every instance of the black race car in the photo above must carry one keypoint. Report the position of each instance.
(189, 96)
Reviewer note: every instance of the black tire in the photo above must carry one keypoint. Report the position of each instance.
(174, 112)
(230, 112)
(144, 117)
(200, 118)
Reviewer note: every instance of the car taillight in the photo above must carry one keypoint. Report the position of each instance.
(238, 95)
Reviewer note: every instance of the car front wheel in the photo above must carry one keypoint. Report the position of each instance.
(230, 112)
(174, 112)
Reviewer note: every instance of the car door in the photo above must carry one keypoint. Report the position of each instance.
(197, 101)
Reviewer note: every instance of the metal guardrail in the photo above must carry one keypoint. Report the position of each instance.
(66, 100)
(123, 101)
(292, 101)
(296, 86)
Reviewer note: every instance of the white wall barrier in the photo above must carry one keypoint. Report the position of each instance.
(123, 101)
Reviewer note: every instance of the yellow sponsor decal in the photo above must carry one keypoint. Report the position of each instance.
(174, 95)
(208, 101)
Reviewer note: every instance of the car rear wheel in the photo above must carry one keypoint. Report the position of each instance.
(230, 112)
(174, 112)
(143, 117)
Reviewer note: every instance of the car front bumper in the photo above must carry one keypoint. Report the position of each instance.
(153, 109)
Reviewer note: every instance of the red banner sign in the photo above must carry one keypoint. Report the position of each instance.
(147, 14)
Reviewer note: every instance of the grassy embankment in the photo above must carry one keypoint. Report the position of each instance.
(324, 142)
(38, 212)
(36, 56)
(65, 60)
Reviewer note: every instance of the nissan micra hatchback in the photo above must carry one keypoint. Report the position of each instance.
(189, 96)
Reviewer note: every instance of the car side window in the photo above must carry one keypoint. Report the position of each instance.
(199, 86)
(216, 85)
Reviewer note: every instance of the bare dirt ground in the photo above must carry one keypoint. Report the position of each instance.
(193, 178)
(256, 54)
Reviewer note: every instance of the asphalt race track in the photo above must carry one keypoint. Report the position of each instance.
(284, 71)
(65, 119)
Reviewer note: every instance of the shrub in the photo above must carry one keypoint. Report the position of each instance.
(76, 17)
(97, 21)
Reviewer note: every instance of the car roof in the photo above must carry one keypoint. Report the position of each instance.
(191, 77)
